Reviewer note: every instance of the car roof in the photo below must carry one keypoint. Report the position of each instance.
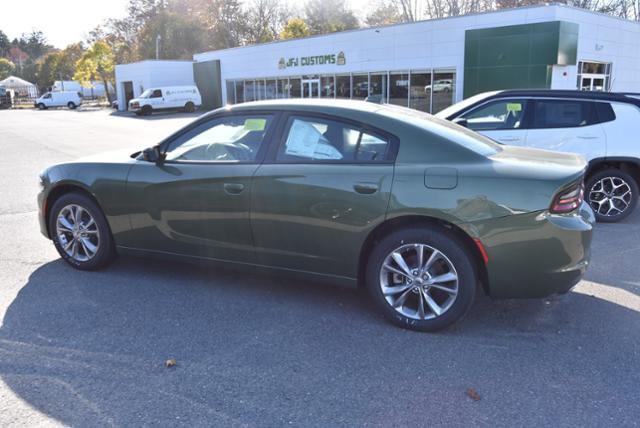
(562, 93)
(316, 104)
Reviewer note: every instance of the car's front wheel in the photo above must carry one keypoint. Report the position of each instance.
(80, 232)
(41, 106)
(421, 278)
(612, 194)
(146, 110)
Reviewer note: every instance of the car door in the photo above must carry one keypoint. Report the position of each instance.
(567, 125)
(324, 187)
(197, 201)
(503, 120)
(156, 99)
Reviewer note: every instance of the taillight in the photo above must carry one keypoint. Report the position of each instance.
(568, 199)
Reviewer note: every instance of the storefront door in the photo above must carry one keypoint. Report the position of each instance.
(592, 82)
(311, 88)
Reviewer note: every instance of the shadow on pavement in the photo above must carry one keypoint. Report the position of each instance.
(88, 348)
(159, 115)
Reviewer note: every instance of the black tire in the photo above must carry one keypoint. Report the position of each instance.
(41, 106)
(189, 107)
(603, 211)
(146, 110)
(71, 105)
(445, 243)
(105, 249)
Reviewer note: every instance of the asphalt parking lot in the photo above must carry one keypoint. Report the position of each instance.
(88, 349)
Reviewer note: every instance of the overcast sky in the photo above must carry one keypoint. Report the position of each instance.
(68, 21)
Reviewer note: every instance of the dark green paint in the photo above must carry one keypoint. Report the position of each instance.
(517, 56)
(207, 77)
(310, 220)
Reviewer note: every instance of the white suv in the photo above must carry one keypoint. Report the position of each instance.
(602, 127)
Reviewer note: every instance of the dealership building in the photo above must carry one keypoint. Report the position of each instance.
(425, 65)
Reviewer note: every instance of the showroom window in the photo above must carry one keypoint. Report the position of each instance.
(425, 90)
(399, 89)
(343, 86)
(420, 91)
(378, 87)
(594, 76)
(360, 89)
(443, 90)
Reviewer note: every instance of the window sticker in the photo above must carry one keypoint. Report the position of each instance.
(306, 141)
(255, 124)
(514, 107)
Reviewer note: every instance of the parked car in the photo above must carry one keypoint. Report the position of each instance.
(185, 98)
(443, 85)
(6, 98)
(69, 99)
(602, 127)
(415, 209)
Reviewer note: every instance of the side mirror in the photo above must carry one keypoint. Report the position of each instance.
(460, 121)
(153, 154)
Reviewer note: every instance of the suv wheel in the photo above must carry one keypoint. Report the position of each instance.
(612, 194)
(80, 232)
(421, 278)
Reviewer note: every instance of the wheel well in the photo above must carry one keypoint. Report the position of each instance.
(397, 223)
(59, 191)
(631, 168)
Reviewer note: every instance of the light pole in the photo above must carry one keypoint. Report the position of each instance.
(158, 38)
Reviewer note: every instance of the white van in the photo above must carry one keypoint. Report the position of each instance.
(186, 98)
(69, 99)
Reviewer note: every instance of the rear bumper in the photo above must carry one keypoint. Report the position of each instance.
(536, 254)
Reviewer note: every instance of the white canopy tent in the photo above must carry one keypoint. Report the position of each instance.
(20, 87)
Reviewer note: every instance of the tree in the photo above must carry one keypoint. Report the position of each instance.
(265, 19)
(4, 44)
(296, 28)
(97, 63)
(386, 13)
(59, 65)
(328, 16)
(6, 68)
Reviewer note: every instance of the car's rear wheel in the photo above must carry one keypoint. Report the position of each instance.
(612, 194)
(71, 105)
(421, 278)
(189, 107)
(146, 110)
(80, 232)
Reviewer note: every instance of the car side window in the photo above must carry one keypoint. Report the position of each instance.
(319, 139)
(563, 114)
(156, 94)
(226, 139)
(47, 96)
(495, 115)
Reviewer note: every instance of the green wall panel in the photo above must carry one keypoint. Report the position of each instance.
(517, 56)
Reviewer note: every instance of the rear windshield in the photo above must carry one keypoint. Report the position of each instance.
(457, 134)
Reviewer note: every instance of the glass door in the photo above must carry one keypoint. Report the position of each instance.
(311, 88)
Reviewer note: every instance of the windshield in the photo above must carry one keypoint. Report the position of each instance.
(451, 110)
(146, 93)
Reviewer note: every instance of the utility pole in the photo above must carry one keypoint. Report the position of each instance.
(158, 38)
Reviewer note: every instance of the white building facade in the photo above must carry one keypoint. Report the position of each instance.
(431, 64)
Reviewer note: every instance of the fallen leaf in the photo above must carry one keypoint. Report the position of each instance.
(473, 394)
(170, 363)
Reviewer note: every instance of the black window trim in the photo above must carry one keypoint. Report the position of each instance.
(262, 151)
(278, 139)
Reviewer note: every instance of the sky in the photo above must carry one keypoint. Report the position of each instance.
(68, 21)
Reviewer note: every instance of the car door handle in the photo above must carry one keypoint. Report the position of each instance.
(508, 139)
(365, 188)
(233, 188)
(588, 137)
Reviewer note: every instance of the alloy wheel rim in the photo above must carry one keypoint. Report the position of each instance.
(610, 196)
(77, 233)
(419, 281)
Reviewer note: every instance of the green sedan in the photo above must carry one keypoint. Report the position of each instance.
(420, 212)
